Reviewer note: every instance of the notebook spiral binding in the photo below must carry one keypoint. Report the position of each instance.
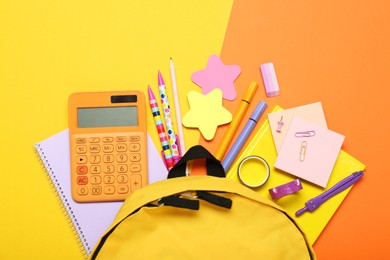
(64, 202)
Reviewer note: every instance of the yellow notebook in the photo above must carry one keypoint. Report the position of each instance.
(312, 223)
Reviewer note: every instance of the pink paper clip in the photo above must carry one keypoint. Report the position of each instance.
(305, 134)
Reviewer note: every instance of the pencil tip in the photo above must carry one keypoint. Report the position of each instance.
(160, 79)
(150, 93)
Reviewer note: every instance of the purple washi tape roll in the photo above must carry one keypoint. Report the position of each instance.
(285, 189)
(269, 79)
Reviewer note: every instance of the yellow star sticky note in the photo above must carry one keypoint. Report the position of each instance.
(206, 112)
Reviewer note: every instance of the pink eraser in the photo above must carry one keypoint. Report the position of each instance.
(269, 78)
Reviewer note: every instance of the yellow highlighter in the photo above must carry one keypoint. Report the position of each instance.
(242, 108)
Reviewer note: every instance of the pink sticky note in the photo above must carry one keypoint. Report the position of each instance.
(217, 75)
(309, 151)
(282, 119)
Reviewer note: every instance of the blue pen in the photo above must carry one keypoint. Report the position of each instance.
(259, 110)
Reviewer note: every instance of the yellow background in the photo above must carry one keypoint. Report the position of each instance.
(49, 49)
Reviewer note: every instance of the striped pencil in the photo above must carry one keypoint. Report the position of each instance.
(160, 129)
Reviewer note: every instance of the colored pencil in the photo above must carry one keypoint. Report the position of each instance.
(177, 107)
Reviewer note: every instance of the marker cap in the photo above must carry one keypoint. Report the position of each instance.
(251, 91)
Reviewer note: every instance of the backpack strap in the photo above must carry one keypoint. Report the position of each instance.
(214, 168)
(176, 201)
(214, 199)
(213, 165)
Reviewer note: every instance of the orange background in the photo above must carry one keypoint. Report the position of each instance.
(336, 52)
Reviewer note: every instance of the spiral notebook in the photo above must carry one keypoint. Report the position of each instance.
(89, 220)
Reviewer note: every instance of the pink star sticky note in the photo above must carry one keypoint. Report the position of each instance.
(206, 112)
(217, 75)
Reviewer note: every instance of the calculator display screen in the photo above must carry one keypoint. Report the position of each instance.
(107, 117)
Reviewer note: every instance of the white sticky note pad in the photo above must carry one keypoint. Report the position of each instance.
(310, 157)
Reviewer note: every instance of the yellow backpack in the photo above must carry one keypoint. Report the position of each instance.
(201, 217)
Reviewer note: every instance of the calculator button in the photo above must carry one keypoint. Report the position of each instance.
(95, 169)
(122, 178)
(81, 159)
(108, 148)
(121, 158)
(82, 169)
(82, 180)
(81, 140)
(109, 189)
(81, 149)
(121, 147)
(94, 139)
(108, 139)
(135, 182)
(135, 147)
(123, 189)
(94, 158)
(135, 167)
(121, 138)
(94, 148)
(96, 179)
(108, 158)
(96, 190)
(109, 179)
(108, 165)
(122, 168)
(135, 157)
(134, 138)
(109, 168)
(82, 191)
